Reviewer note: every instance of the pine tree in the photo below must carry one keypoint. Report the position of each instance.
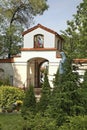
(70, 87)
(56, 80)
(45, 94)
(29, 104)
(66, 99)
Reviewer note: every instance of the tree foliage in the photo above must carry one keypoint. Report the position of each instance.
(85, 80)
(66, 97)
(76, 33)
(75, 123)
(29, 103)
(45, 95)
(14, 17)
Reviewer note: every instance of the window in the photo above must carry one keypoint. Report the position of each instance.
(59, 45)
(38, 41)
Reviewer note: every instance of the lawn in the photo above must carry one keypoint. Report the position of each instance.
(11, 121)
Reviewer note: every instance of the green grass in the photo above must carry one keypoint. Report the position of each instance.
(11, 121)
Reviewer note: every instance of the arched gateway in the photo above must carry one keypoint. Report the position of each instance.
(34, 66)
(41, 45)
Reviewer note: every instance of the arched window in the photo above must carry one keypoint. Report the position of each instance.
(38, 41)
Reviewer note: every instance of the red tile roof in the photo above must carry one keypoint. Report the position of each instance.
(11, 60)
(44, 28)
(38, 49)
(80, 60)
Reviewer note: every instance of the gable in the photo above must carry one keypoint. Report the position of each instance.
(42, 27)
(40, 36)
(31, 37)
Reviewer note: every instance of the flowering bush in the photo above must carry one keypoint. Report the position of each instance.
(17, 105)
(19, 102)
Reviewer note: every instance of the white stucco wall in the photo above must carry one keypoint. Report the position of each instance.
(8, 72)
(16, 72)
(26, 55)
(20, 74)
(21, 63)
(8, 69)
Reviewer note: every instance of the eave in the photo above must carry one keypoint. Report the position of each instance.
(11, 60)
(42, 27)
(77, 61)
(38, 49)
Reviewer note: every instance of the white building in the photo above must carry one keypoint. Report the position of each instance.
(41, 45)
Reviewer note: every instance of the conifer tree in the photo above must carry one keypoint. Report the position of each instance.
(56, 80)
(29, 104)
(66, 99)
(45, 94)
(72, 104)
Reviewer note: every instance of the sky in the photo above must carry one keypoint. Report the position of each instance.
(58, 13)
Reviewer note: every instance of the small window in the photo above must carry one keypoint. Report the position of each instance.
(38, 41)
(59, 45)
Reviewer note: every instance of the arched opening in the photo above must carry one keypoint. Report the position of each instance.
(43, 70)
(35, 68)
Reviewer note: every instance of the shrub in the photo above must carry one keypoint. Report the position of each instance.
(9, 95)
(75, 123)
(44, 123)
(40, 122)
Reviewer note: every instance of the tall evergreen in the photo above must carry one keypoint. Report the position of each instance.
(45, 94)
(66, 99)
(29, 103)
(56, 80)
(70, 88)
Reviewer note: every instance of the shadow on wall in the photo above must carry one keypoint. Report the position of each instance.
(6, 74)
(17, 81)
